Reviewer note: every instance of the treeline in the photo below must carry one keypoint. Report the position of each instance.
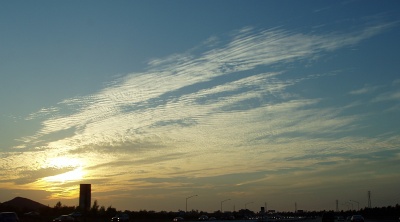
(376, 213)
(48, 213)
(388, 212)
(104, 214)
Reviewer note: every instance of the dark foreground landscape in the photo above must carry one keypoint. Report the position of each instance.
(31, 211)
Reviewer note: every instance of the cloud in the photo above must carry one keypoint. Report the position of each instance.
(145, 99)
(388, 96)
(28, 170)
(396, 82)
(365, 90)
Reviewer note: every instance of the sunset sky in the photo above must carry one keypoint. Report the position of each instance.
(260, 102)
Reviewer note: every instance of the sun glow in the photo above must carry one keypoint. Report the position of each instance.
(74, 175)
(74, 165)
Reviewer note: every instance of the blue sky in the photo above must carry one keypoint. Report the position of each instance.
(151, 102)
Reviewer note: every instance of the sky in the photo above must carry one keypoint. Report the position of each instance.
(259, 103)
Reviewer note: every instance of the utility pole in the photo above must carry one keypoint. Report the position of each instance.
(337, 205)
(222, 202)
(369, 199)
(189, 198)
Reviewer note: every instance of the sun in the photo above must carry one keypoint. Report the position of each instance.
(73, 175)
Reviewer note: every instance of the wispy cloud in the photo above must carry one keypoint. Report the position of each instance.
(140, 98)
(396, 82)
(388, 96)
(365, 90)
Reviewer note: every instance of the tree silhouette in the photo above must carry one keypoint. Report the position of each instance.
(95, 208)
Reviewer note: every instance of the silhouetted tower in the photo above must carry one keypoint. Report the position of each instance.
(85, 195)
(369, 199)
(295, 207)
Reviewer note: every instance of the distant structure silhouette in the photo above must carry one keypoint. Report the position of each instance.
(337, 205)
(85, 195)
(369, 199)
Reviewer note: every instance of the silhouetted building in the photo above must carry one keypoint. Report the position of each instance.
(85, 196)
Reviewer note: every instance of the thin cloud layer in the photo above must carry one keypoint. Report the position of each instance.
(180, 83)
